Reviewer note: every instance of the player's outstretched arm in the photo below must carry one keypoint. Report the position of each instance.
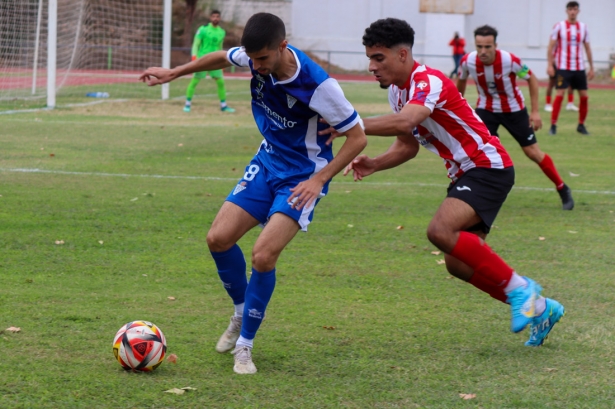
(535, 120)
(461, 85)
(306, 192)
(402, 123)
(209, 62)
(550, 58)
(588, 53)
(402, 150)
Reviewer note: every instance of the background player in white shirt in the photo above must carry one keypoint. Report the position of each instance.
(567, 64)
(287, 177)
(429, 111)
(500, 102)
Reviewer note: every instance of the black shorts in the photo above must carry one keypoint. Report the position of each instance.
(517, 123)
(574, 79)
(485, 190)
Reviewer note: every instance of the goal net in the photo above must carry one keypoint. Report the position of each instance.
(102, 47)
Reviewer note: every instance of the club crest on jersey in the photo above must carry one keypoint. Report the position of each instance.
(259, 78)
(421, 85)
(240, 187)
(291, 101)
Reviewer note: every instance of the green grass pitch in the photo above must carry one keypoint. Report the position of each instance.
(131, 188)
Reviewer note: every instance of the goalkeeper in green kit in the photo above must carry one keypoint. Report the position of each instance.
(207, 39)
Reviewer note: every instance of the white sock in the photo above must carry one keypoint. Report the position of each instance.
(516, 281)
(540, 306)
(188, 103)
(239, 309)
(242, 342)
(222, 104)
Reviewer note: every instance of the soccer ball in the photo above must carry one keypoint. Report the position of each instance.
(140, 346)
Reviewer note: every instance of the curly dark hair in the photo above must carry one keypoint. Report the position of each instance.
(388, 33)
(263, 30)
(486, 31)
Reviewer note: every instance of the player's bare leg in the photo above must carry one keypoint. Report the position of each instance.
(547, 166)
(557, 106)
(583, 107)
(230, 224)
(278, 232)
(550, 86)
(446, 231)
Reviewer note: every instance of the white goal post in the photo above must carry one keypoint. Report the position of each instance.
(55, 48)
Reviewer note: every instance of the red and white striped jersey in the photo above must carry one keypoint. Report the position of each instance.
(496, 83)
(569, 46)
(453, 130)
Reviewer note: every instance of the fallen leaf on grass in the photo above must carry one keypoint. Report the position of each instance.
(550, 369)
(574, 175)
(59, 242)
(440, 261)
(176, 391)
(348, 191)
(572, 231)
(467, 396)
(180, 144)
(329, 328)
(435, 253)
(350, 225)
(100, 242)
(52, 154)
(541, 238)
(171, 298)
(13, 329)
(180, 391)
(172, 358)
(134, 199)
(144, 275)
(400, 227)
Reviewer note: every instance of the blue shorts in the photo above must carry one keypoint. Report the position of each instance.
(262, 194)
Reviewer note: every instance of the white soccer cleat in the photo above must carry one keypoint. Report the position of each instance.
(243, 360)
(571, 107)
(228, 340)
(549, 108)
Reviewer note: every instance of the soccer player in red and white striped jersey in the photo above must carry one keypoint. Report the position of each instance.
(429, 111)
(500, 102)
(566, 39)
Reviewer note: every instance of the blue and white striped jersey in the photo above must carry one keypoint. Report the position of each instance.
(287, 113)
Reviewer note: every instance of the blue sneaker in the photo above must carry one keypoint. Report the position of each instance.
(542, 325)
(227, 109)
(186, 108)
(522, 302)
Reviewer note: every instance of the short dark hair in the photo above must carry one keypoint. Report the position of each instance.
(388, 33)
(214, 11)
(572, 4)
(486, 31)
(263, 30)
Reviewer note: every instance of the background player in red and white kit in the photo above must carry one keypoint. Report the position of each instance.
(567, 38)
(429, 111)
(570, 106)
(500, 102)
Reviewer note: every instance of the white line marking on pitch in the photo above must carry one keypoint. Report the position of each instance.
(103, 174)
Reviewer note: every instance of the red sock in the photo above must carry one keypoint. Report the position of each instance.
(548, 99)
(485, 285)
(583, 107)
(473, 251)
(570, 97)
(557, 105)
(548, 167)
